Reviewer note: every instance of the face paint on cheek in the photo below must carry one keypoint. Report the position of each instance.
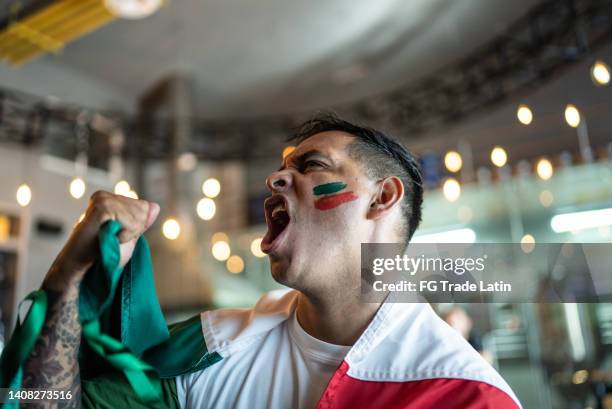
(330, 202)
(335, 199)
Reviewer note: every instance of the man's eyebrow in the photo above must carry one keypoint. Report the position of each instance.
(303, 157)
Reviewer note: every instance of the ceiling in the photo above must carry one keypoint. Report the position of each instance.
(250, 58)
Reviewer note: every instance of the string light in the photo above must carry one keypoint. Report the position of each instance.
(211, 188)
(544, 169)
(235, 264)
(499, 157)
(171, 229)
(187, 162)
(288, 150)
(133, 9)
(453, 161)
(451, 189)
(206, 208)
(24, 195)
(219, 236)
(256, 248)
(527, 243)
(600, 73)
(77, 188)
(221, 250)
(122, 188)
(572, 116)
(131, 194)
(546, 198)
(524, 114)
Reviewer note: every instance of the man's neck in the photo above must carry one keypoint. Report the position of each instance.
(334, 319)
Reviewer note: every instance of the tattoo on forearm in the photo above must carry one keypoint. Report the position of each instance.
(53, 362)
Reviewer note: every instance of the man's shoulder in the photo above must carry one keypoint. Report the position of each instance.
(412, 344)
(228, 330)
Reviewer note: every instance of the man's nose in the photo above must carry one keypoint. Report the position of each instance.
(279, 181)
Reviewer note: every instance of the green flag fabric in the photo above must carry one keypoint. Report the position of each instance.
(128, 353)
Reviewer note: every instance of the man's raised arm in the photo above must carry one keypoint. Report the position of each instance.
(53, 363)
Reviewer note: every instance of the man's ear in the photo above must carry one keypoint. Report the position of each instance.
(390, 193)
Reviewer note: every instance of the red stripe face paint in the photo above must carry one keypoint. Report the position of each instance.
(333, 201)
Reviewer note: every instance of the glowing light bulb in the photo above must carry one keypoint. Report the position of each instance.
(499, 157)
(133, 9)
(132, 194)
(24, 195)
(524, 114)
(453, 161)
(187, 162)
(221, 250)
(544, 169)
(77, 188)
(288, 150)
(572, 116)
(171, 229)
(206, 208)
(546, 198)
(235, 264)
(256, 248)
(527, 243)
(211, 188)
(451, 189)
(122, 188)
(219, 236)
(600, 73)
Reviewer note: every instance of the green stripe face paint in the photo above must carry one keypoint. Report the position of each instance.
(327, 188)
(334, 198)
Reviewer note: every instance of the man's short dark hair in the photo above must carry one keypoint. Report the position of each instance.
(381, 156)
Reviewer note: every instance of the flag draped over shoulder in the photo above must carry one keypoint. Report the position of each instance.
(124, 330)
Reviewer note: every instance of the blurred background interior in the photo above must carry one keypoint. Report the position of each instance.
(188, 103)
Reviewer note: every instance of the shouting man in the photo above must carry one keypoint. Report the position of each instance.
(318, 345)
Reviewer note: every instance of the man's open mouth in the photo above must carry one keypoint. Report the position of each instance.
(277, 218)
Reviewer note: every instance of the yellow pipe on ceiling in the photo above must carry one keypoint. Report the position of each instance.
(48, 30)
(85, 21)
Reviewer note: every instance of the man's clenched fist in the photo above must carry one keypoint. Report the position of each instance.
(81, 250)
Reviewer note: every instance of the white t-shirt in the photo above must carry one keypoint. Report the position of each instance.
(286, 368)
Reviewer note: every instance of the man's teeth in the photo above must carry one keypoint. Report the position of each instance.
(276, 211)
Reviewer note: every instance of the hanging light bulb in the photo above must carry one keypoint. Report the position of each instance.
(171, 229)
(600, 73)
(453, 161)
(499, 157)
(77, 188)
(451, 189)
(187, 161)
(24, 195)
(572, 116)
(527, 243)
(206, 208)
(219, 236)
(211, 188)
(546, 198)
(524, 114)
(221, 250)
(235, 264)
(544, 169)
(122, 188)
(256, 248)
(133, 9)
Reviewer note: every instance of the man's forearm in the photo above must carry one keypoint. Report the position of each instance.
(53, 362)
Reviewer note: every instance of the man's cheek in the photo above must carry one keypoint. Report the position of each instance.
(331, 195)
